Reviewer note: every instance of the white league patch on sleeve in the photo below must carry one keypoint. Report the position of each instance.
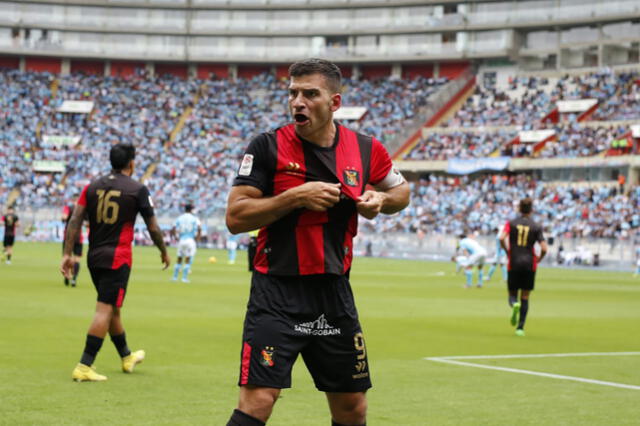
(247, 165)
(151, 202)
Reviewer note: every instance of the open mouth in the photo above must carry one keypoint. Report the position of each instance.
(301, 119)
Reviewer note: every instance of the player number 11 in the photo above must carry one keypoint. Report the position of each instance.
(523, 234)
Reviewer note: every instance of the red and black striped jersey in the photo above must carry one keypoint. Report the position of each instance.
(306, 242)
(113, 202)
(523, 232)
(10, 221)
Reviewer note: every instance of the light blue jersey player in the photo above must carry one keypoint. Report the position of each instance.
(232, 248)
(637, 272)
(187, 227)
(476, 256)
(500, 258)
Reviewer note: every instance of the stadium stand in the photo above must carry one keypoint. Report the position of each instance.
(190, 84)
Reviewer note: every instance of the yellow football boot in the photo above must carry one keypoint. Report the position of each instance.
(84, 373)
(131, 360)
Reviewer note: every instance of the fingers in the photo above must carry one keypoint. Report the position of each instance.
(320, 196)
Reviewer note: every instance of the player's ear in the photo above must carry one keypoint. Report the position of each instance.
(336, 102)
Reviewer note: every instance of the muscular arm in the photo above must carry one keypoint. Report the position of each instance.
(388, 201)
(543, 250)
(156, 236)
(504, 237)
(73, 229)
(248, 209)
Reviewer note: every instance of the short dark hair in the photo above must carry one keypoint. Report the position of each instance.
(188, 207)
(526, 205)
(329, 70)
(121, 154)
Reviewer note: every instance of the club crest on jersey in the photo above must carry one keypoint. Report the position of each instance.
(351, 177)
(267, 356)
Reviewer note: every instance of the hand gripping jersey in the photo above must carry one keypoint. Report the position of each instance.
(306, 242)
(187, 226)
(113, 202)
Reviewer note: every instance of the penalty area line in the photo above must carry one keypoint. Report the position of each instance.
(448, 360)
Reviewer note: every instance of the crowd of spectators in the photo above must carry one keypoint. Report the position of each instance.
(199, 163)
(460, 144)
(571, 140)
(447, 205)
(574, 140)
(24, 99)
(527, 100)
(493, 115)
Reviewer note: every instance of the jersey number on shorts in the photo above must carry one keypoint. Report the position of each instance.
(523, 234)
(107, 209)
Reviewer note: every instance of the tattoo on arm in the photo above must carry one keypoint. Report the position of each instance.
(156, 236)
(155, 233)
(73, 229)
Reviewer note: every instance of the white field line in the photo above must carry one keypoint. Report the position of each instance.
(536, 355)
(452, 360)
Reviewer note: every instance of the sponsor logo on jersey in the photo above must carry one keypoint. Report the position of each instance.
(319, 327)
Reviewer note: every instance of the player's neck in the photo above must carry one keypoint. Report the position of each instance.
(325, 136)
(126, 172)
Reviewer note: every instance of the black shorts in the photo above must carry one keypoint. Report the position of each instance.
(77, 249)
(314, 316)
(521, 280)
(8, 240)
(111, 284)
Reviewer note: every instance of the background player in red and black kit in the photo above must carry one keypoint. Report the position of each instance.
(11, 223)
(303, 185)
(67, 212)
(111, 203)
(518, 238)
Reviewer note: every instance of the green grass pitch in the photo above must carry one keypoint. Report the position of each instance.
(409, 311)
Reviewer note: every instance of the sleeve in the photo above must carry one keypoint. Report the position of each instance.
(145, 204)
(82, 200)
(381, 164)
(254, 170)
